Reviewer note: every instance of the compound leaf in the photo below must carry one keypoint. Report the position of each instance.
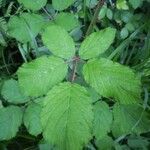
(67, 116)
(130, 119)
(97, 43)
(10, 120)
(38, 76)
(11, 92)
(59, 41)
(33, 5)
(32, 119)
(112, 80)
(25, 27)
(102, 120)
(61, 5)
(67, 20)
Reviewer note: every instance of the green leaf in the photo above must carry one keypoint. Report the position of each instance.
(11, 92)
(122, 4)
(113, 80)
(93, 94)
(38, 76)
(124, 33)
(59, 41)
(32, 119)
(138, 142)
(67, 116)
(10, 120)
(102, 12)
(61, 5)
(76, 34)
(33, 5)
(127, 16)
(106, 143)
(97, 43)
(118, 146)
(91, 3)
(102, 120)
(25, 27)
(130, 119)
(67, 20)
(109, 14)
(136, 3)
(130, 27)
(45, 146)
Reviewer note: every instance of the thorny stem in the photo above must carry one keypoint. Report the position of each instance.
(76, 59)
(93, 22)
(75, 62)
(74, 70)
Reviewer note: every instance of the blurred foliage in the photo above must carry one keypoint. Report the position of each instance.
(130, 18)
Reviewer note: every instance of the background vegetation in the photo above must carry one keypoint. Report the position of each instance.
(22, 24)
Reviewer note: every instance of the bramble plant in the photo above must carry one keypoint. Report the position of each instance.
(83, 78)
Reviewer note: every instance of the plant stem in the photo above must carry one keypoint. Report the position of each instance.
(75, 63)
(93, 22)
(74, 70)
(22, 53)
(48, 14)
(84, 8)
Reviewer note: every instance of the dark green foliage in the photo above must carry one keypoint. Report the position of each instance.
(74, 75)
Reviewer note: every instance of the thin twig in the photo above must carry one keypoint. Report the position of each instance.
(93, 22)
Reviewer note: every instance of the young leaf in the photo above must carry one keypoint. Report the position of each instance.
(112, 80)
(130, 119)
(25, 27)
(67, 21)
(97, 43)
(11, 92)
(10, 120)
(122, 4)
(32, 119)
(67, 116)
(59, 41)
(61, 5)
(102, 120)
(38, 76)
(33, 5)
